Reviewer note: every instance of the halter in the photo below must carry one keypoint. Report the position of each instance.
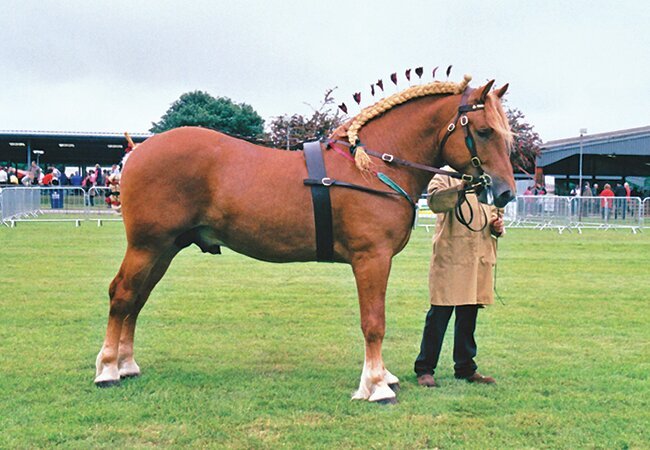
(484, 180)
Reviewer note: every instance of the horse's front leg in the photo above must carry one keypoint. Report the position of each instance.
(371, 273)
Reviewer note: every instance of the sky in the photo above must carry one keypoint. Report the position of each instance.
(115, 66)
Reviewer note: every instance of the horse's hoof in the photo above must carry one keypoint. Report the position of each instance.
(394, 387)
(387, 401)
(107, 383)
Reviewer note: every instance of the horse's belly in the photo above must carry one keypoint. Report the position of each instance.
(262, 238)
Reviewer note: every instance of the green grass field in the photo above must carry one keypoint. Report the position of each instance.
(243, 354)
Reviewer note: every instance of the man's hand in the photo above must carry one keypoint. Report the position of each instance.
(497, 227)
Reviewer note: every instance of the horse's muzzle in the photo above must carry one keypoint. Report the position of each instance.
(503, 193)
(503, 198)
(498, 193)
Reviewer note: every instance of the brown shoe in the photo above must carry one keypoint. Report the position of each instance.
(427, 381)
(480, 379)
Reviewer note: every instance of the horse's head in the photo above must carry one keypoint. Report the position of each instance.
(478, 143)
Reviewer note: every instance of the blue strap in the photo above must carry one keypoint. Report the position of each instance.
(397, 188)
(394, 186)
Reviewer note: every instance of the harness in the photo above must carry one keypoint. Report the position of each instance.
(320, 182)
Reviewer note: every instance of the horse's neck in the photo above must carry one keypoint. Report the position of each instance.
(411, 132)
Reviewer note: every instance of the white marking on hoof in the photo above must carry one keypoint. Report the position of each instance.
(389, 378)
(129, 369)
(108, 376)
(383, 394)
(105, 373)
(361, 394)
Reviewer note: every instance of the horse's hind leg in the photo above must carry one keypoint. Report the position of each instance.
(125, 295)
(127, 367)
(371, 273)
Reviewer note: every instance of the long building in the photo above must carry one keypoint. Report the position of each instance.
(73, 150)
(622, 155)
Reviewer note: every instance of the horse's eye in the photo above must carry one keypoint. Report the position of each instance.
(484, 133)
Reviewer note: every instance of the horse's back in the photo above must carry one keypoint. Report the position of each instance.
(247, 197)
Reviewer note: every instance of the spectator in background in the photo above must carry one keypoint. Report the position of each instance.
(13, 177)
(63, 179)
(606, 202)
(586, 190)
(574, 192)
(539, 189)
(56, 173)
(594, 192)
(47, 179)
(87, 185)
(620, 201)
(76, 179)
(528, 201)
(4, 176)
(99, 181)
(628, 194)
(34, 172)
(628, 191)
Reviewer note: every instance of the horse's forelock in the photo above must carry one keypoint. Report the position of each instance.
(497, 119)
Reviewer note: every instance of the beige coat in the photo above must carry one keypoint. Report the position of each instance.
(461, 271)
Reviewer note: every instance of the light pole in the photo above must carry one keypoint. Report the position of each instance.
(583, 131)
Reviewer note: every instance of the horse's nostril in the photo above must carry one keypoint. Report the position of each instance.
(503, 199)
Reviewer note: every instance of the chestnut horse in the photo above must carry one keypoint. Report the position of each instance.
(252, 200)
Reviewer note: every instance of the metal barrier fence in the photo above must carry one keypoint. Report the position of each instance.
(60, 203)
(577, 213)
(55, 204)
(569, 213)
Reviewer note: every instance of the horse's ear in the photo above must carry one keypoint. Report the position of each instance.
(502, 90)
(486, 91)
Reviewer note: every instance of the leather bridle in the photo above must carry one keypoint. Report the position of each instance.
(483, 180)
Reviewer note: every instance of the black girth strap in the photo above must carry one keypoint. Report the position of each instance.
(320, 197)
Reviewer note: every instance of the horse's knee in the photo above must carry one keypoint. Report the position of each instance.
(373, 330)
(122, 298)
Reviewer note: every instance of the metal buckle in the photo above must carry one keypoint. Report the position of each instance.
(467, 178)
(451, 127)
(387, 157)
(485, 180)
(464, 120)
(327, 181)
(478, 106)
(476, 161)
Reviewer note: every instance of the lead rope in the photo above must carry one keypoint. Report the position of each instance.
(496, 261)
(461, 217)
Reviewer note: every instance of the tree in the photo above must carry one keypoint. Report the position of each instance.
(290, 132)
(199, 108)
(526, 146)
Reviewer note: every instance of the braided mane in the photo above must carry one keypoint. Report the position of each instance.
(361, 158)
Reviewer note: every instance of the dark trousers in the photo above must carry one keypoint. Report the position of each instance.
(435, 327)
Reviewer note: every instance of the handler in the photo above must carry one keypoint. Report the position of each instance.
(460, 278)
